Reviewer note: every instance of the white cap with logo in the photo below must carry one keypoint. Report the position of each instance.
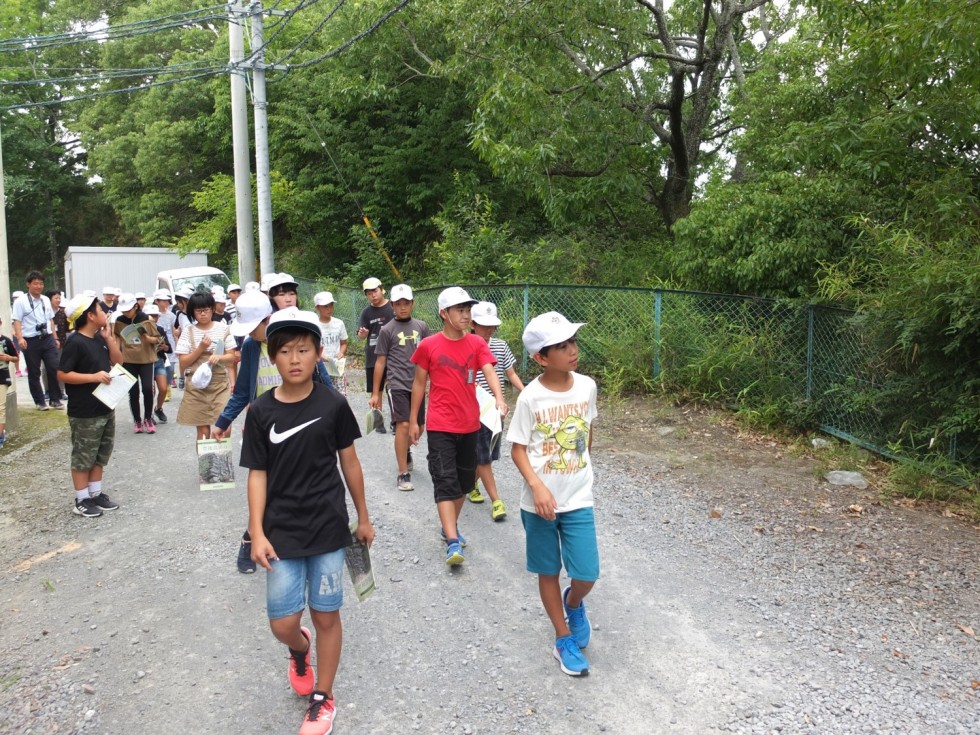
(550, 328)
(402, 292)
(454, 296)
(126, 302)
(293, 317)
(370, 284)
(324, 298)
(485, 314)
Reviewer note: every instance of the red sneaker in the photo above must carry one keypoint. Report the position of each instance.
(300, 671)
(319, 716)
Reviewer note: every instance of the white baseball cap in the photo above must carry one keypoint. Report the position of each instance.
(280, 279)
(77, 306)
(370, 284)
(219, 297)
(139, 295)
(16, 294)
(162, 294)
(324, 298)
(485, 314)
(454, 296)
(151, 310)
(253, 306)
(185, 292)
(108, 290)
(117, 291)
(402, 291)
(550, 328)
(126, 302)
(253, 286)
(293, 317)
(234, 287)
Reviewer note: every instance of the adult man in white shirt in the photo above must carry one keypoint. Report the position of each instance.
(33, 320)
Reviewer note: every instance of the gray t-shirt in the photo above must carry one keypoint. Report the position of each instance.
(397, 341)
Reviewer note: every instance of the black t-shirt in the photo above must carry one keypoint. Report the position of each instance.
(373, 318)
(297, 445)
(7, 347)
(81, 354)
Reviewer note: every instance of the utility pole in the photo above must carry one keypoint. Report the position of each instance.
(263, 182)
(5, 295)
(239, 136)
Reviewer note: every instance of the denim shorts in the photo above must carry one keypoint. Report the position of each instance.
(568, 540)
(315, 580)
(160, 367)
(452, 464)
(487, 446)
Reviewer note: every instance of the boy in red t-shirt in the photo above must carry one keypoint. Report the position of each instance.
(449, 360)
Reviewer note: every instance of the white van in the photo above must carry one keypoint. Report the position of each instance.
(200, 278)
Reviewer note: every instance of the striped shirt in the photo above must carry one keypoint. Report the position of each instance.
(505, 361)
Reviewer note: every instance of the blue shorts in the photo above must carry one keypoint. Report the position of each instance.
(487, 446)
(160, 367)
(568, 540)
(314, 580)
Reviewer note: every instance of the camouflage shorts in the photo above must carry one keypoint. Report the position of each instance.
(91, 441)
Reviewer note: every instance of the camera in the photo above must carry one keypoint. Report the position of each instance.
(42, 331)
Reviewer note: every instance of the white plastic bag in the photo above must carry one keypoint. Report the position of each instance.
(201, 377)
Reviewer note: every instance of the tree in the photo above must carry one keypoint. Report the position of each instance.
(50, 202)
(604, 109)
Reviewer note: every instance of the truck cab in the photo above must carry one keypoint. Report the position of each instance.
(200, 278)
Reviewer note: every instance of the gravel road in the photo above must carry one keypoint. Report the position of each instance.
(738, 594)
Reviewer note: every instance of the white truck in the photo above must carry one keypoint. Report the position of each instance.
(131, 269)
(201, 278)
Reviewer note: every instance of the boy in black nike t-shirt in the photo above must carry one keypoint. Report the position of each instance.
(299, 438)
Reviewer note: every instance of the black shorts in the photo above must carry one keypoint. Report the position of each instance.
(452, 464)
(400, 403)
(369, 378)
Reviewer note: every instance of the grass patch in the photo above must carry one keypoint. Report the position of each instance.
(32, 425)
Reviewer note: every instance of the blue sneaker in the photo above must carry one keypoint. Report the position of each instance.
(578, 621)
(3, 438)
(454, 554)
(462, 541)
(570, 657)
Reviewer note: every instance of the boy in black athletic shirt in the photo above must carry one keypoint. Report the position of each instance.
(299, 438)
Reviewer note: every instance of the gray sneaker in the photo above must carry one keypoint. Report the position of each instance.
(87, 508)
(405, 482)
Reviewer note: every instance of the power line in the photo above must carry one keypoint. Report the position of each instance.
(347, 44)
(110, 33)
(201, 69)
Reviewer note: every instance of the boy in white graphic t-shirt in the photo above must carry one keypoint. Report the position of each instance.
(551, 433)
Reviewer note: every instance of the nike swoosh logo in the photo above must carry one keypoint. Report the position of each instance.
(276, 438)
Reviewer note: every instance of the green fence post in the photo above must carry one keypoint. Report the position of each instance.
(527, 306)
(658, 299)
(809, 351)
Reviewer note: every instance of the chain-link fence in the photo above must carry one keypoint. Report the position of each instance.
(814, 366)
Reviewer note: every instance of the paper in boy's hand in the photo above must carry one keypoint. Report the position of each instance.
(335, 366)
(358, 558)
(373, 421)
(113, 393)
(215, 465)
(489, 415)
